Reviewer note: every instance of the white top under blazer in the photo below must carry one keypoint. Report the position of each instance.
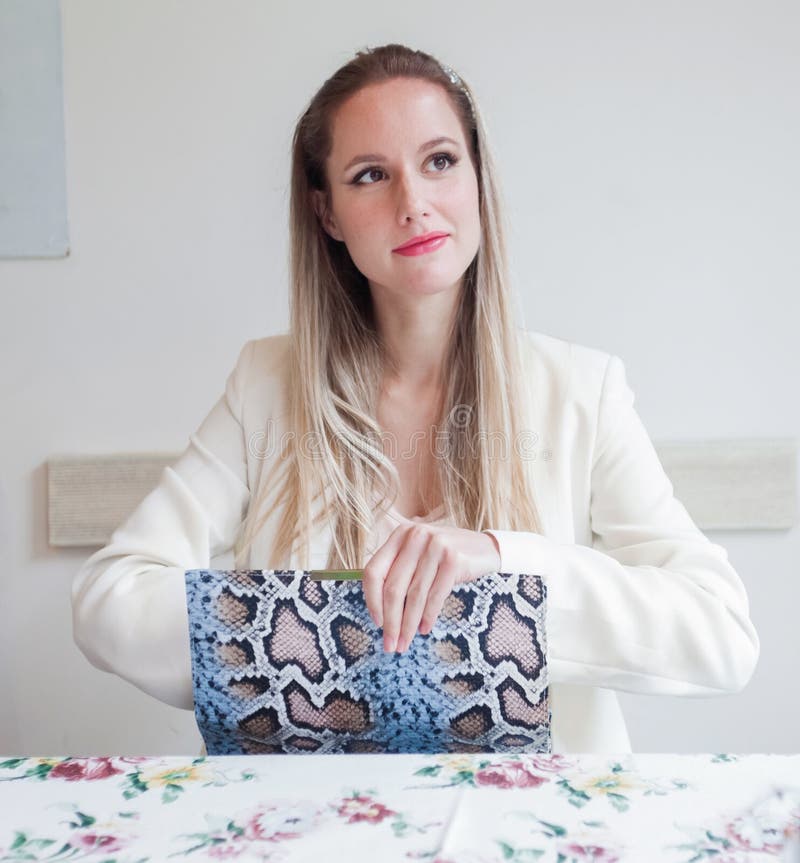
(639, 599)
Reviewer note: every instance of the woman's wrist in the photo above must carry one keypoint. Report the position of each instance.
(495, 548)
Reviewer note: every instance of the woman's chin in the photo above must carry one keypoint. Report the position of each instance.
(420, 286)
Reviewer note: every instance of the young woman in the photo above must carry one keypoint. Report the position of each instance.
(405, 425)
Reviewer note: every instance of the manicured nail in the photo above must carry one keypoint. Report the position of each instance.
(389, 644)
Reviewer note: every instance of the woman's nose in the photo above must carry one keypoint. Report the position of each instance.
(411, 202)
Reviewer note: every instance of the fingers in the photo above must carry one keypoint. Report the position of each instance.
(398, 580)
(377, 566)
(442, 586)
(408, 579)
(417, 594)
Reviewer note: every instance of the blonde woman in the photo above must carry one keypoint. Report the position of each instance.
(405, 425)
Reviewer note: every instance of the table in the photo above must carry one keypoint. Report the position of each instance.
(445, 808)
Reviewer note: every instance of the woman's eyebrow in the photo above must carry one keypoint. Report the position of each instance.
(376, 157)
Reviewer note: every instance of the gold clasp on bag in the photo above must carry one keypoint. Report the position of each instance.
(336, 574)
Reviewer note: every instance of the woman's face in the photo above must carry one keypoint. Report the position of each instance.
(393, 177)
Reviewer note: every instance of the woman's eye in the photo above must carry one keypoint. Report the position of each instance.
(443, 161)
(445, 158)
(358, 179)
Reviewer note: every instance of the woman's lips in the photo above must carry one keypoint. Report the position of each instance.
(423, 248)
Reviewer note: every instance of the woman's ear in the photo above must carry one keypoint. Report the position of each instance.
(324, 214)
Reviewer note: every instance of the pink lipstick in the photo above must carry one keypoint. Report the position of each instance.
(423, 244)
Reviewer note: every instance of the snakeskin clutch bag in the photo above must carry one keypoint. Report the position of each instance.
(285, 662)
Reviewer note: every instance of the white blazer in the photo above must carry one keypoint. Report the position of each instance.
(639, 600)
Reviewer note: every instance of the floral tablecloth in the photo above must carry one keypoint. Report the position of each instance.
(442, 808)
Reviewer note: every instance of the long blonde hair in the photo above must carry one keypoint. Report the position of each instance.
(336, 360)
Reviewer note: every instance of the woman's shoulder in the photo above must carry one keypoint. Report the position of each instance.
(565, 364)
(269, 350)
(262, 357)
(260, 375)
(578, 364)
(566, 376)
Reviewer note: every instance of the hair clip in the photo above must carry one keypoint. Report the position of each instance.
(455, 79)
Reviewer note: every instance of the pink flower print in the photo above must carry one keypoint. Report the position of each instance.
(549, 763)
(753, 833)
(233, 846)
(279, 821)
(69, 770)
(589, 852)
(84, 768)
(90, 841)
(509, 774)
(101, 768)
(363, 809)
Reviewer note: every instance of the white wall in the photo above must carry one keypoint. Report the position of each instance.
(648, 154)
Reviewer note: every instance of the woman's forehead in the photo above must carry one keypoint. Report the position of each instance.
(396, 113)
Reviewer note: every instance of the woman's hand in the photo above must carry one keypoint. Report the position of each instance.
(410, 576)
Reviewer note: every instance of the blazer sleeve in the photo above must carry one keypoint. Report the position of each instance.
(653, 606)
(128, 599)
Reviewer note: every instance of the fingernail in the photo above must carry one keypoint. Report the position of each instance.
(389, 644)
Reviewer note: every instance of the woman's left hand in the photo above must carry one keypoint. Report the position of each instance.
(410, 576)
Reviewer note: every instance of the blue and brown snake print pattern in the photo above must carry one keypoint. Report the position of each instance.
(282, 663)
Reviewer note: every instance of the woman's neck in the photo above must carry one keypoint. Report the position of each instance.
(415, 332)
